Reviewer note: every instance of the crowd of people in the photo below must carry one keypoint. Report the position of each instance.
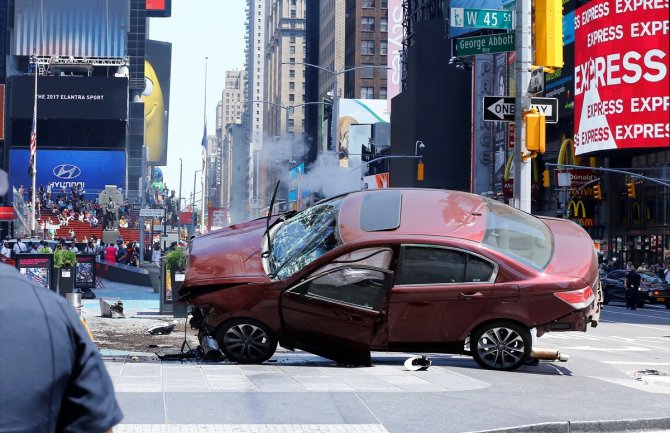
(59, 208)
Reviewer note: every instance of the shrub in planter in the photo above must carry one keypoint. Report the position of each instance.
(175, 260)
(64, 258)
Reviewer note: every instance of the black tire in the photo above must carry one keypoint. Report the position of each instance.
(500, 345)
(246, 341)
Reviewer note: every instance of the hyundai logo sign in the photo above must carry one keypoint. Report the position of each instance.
(66, 171)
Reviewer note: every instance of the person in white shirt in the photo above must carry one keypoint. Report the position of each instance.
(19, 247)
(5, 251)
(74, 248)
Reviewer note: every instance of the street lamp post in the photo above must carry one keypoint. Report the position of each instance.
(336, 106)
(193, 204)
(181, 165)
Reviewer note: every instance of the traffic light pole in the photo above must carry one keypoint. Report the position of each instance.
(522, 68)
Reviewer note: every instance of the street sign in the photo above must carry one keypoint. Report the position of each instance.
(482, 18)
(501, 108)
(488, 44)
(153, 213)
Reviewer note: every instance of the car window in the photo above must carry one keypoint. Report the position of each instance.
(518, 234)
(433, 265)
(363, 288)
(304, 238)
(377, 257)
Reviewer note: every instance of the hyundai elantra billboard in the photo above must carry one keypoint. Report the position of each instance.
(90, 169)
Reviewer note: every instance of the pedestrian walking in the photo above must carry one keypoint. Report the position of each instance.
(632, 284)
(58, 383)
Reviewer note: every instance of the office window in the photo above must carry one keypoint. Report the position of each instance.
(291, 49)
(384, 4)
(367, 72)
(291, 97)
(291, 73)
(291, 85)
(367, 48)
(384, 24)
(291, 38)
(367, 24)
(293, 14)
(383, 48)
(368, 4)
(291, 122)
(382, 93)
(367, 93)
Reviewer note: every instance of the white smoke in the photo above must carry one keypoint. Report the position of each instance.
(327, 177)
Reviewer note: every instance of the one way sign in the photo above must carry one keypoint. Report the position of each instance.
(501, 108)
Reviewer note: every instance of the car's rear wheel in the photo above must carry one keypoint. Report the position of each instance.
(246, 341)
(500, 345)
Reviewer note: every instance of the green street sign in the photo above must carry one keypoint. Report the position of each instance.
(482, 18)
(485, 44)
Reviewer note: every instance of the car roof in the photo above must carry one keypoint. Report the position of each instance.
(423, 212)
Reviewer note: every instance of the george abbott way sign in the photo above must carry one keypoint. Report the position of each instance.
(501, 108)
(498, 43)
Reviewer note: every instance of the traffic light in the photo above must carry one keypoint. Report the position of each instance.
(535, 131)
(549, 33)
(419, 171)
(630, 189)
(597, 193)
(545, 178)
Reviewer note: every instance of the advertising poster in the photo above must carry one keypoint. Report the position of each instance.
(356, 112)
(36, 267)
(89, 169)
(69, 97)
(156, 97)
(501, 129)
(396, 36)
(84, 271)
(621, 75)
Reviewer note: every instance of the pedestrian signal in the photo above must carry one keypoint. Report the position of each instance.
(419, 171)
(630, 189)
(597, 193)
(535, 131)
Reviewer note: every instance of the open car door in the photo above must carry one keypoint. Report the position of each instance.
(335, 314)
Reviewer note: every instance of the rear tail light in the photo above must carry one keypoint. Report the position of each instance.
(578, 299)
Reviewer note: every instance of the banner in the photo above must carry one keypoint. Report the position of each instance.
(90, 169)
(156, 97)
(6, 213)
(69, 97)
(395, 40)
(621, 75)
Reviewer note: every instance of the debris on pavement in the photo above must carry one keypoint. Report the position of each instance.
(163, 329)
(418, 363)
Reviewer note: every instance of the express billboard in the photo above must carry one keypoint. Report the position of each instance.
(69, 97)
(621, 75)
(90, 169)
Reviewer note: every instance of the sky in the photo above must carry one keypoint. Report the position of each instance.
(197, 29)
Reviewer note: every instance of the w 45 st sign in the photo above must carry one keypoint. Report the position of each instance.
(481, 18)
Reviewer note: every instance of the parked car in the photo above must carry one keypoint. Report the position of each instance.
(393, 270)
(652, 288)
(658, 291)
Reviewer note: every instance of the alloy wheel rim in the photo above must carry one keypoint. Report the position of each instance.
(246, 342)
(501, 347)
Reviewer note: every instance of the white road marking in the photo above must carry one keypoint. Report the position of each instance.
(635, 363)
(660, 316)
(608, 349)
(250, 428)
(666, 329)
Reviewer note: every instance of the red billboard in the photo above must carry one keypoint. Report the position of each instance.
(621, 75)
(6, 213)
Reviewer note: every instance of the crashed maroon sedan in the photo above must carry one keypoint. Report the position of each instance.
(393, 270)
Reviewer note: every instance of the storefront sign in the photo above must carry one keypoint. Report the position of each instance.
(577, 211)
(622, 90)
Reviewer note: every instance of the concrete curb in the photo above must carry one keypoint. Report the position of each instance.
(604, 426)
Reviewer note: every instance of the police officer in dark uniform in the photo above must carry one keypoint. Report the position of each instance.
(52, 378)
(632, 284)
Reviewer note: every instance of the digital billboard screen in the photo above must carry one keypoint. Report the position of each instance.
(156, 97)
(69, 97)
(80, 28)
(84, 271)
(90, 169)
(622, 97)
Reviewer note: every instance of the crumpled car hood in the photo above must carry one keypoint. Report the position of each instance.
(228, 256)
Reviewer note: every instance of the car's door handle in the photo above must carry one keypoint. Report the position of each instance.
(471, 295)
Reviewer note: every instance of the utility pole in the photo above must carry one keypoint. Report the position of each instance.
(181, 166)
(522, 66)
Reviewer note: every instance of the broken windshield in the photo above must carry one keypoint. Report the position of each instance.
(304, 238)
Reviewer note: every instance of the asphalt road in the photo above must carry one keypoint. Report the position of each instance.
(616, 372)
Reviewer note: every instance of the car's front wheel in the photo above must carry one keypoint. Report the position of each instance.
(246, 341)
(500, 345)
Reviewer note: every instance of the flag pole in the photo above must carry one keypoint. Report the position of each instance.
(204, 161)
(33, 153)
